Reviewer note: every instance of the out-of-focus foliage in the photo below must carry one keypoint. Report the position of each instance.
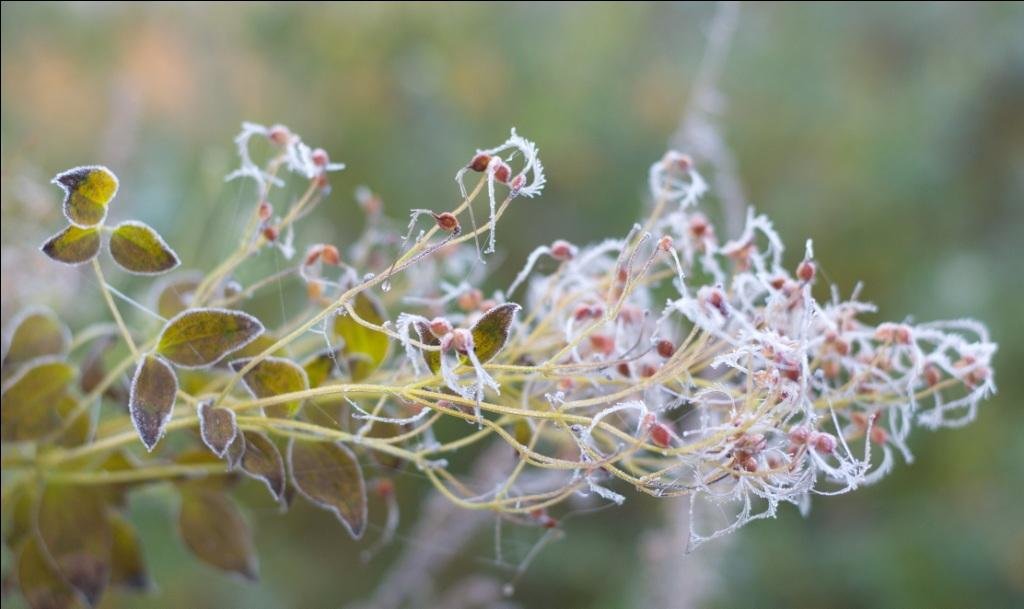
(891, 134)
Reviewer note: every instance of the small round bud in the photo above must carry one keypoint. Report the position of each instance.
(330, 255)
(666, 348)
(470, 300)
(320, 158)
(602, 343)
(270, 233)
(585, 311)
(800, 435)
(448, 222)
(665, 243)
(480, 162)
(279, 134)
(648, 370)
(264, 211)
(517, 182)
(932, 376)
(699, 225)
(623, 369)
(749, 463)
(660, 435)
(440, 326)
(487, 305)
(822, 442)
(462, 339)
(879, 435)
(806, 270)
(562, 250)
(502, 172)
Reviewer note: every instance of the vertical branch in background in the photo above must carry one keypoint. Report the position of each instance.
(698, 133)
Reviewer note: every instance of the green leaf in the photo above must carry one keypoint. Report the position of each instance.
(73, 245)
(40, 582)
(140, 249)
(200, 337)
(151, 401)
(78, 431)
(34, 332)
(217, 427)
(75, 530)
(328, 474)
(262, 461)
(364, 348)
(87, 191)
(127, 565)
(213, 529)
(321, 367)
(490, 332)
(28, 403)
(274, 376)
(173, 293)
(19, 514)
(432, 358)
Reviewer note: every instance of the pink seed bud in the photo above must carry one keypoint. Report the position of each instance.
(805, 271)
(440, 326)
(470, 300)
(502, 172)
(330, 255)
(320, 158)
(270, 233)
(447, 222)
(562, 250)
(602, 343)
(264, 211)
(279, 134)
(800, 435)
(480, 162)
(699, 225)
(660, 435)
(462, 339)
(665, 243)
(823, 442)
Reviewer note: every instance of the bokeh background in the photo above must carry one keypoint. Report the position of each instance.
(892, 134)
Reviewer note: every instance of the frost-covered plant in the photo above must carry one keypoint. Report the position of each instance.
(666, 361)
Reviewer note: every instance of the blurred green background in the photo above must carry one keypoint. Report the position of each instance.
(891, 134)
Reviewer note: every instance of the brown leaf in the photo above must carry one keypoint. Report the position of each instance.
(137, 248)
(262, 461)
(34, 332)
(329, 475)
(200, 337)
(213, 529)
(127, 565)
(87, 192)
(73, 245)
(274, 376)
(28, 403)
(40, 582)
(75, 530)
(217, 427)
(151, 401)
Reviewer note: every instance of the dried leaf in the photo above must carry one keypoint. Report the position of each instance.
(274, 376)
(217, 427)
(28, 404)
(75, 530)
(87, 191)
(262, 461)
(329, 475)
(73, 245)
(432, 358)
(40, 582)
(127, 565)
(34, 332)
(200, 337)
(137, 248)
(213, 529)
(236, 450)
(174, 292)
(364, 348)
(490, 332)
(151, 401)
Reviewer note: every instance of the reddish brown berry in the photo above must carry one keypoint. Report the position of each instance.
(502, 172)
(480, 162)
(470, 300)
(270, 233)
(264, 211)
(602, 343)
(562, 250)
(279, 134)
(440, 326)
(660, 435)
(823, 442)
(448, 222)
(330, 255)
(666, 348)
(806, 270)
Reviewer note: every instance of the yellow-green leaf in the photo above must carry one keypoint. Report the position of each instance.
(40, 582)
(217, 427)
(73, 245)
(127, 565)
(77, 432)
(35, 332)
(173, 294)
(274, 376)
(200, 337)
(432, 358)
(329, 475)
(28, 403)
(74, 527)
(262, 461)
(151, 401)
(140, 249)
(321, 367)
(87, 192)
(213, 529)
(19, 514)
(490, 332)
(364, 348)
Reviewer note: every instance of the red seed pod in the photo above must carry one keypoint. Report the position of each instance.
(749, 463)
(777, 283)
(661, 436)
(666, 348)
(800, 435)
(517, 182)
(440, 326)
(448, 222)
(330, 255)
(385, 487)
(648, 370)
(279, 134)
(879, 435)
(480, 162)
(932, 376)
(823, 442)
(585, 311)
(602, 343)
(470, 300)
(665, 243)
(562, 250)
(320, 158)
(264, 211)
(270, 233)
(806, 271)
(502, 172)
(623, 369)
(462, 339)
(699, 225)
(313, 254)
